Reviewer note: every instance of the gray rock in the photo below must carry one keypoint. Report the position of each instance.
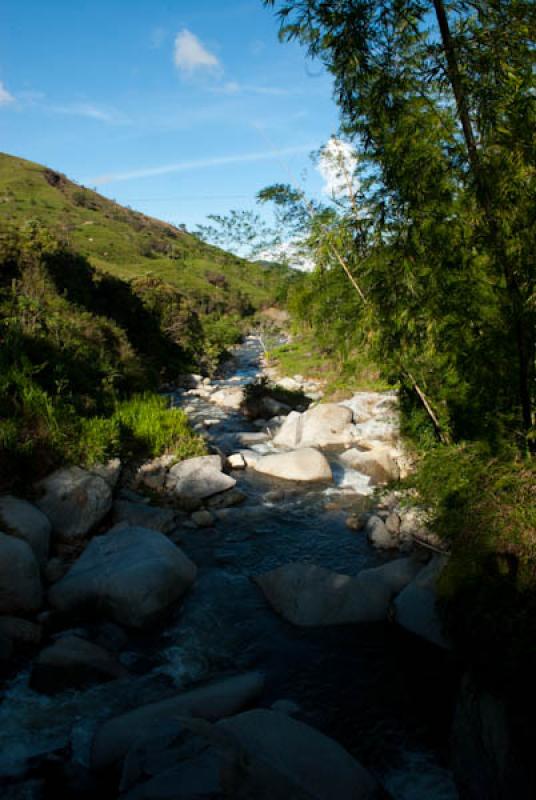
(211, 702)
(20, 582)
(23, 520)
(233, 497)
(152, 474)
(323, 425)
(144, 516)
(307, 464)
(247, 438)
(72, 663)
(284, 758)
(308, 595)
(232, 397)
(236, 461)
(131, 575)
(75, 501)
(415, 606)
(109, 472)
(379, 464)
(203, 518)
(198, 478)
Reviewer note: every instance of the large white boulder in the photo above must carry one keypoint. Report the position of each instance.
(20, 581)
(379, 464)
(211, 702)
(306, 464)
(415, 606)
(284, 758)
(132, 575)
(74, 500)
(25, 521)
(195, 479)
(323, 425)
(308, 595)
(231, 397)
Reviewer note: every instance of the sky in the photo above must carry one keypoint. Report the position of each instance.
(179, 109)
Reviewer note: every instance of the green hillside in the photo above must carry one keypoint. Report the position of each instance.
(129, 244)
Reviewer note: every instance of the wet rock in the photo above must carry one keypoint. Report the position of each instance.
(415, 606)
(23, 520)
(231, 397)
(197, 478)
(211, 702)
(20, 631)
(73, 663)
(378, 534)
(357, 522)
(284, 758)
(308, 595)
(236, 461)
(152, 474)
(379, 464)
(307, 464)
(20, 582)
(75, 501)
(144, 516)
(203, 518)
(131, 575)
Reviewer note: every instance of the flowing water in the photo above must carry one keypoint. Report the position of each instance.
(382, 694)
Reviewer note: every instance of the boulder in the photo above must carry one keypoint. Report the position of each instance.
(280, 757)
(228, 398)
(415, 606)
(233, 497)
(20, 582)
(144, 516)
(248, 439)
(73, 663)
(307, 464)
(211, 702)
(203, 518)
(290, 432)
(25, 521)
(308, 595)
(20, 631)
(320, 426)
(131, 575)
(75, 501)
(197, 478)
(379, 464)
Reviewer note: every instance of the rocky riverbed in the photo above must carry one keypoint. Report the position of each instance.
(227, 626)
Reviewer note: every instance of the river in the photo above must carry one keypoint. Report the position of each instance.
(384, 695)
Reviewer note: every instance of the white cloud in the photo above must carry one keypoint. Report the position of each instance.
(5, 96)
(233, 87)
(202, 163)
(337, 164)
(291, 253)
(91, 111)
(190, 55)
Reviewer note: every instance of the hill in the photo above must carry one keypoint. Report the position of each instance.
(129, 244)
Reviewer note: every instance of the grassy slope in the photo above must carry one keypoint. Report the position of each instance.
(124, 242)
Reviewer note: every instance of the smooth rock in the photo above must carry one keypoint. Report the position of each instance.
(75, 501)
(233, 497)
(308, 595)
(152, 474)
(20, 582)
(197, 478)
(23, 520)
(228, 398)
(307, 464)
(356, 522)
(247, 438)
(131, 575)
(73, 663)
(415, 606)
(211, 702)
(379, 464)
(109, 472)
(284, 758)
(203, 518)
(144, 516)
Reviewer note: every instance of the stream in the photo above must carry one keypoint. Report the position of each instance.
(383, 694)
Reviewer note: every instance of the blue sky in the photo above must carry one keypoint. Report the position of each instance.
(179, 109)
